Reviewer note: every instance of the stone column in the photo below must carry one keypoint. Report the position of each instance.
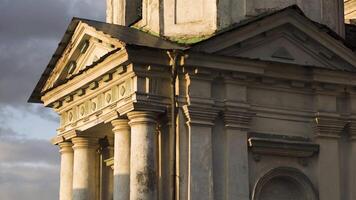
(107, 175)
(85, 177)
(121, 130)
(143, 174)
(66, 177)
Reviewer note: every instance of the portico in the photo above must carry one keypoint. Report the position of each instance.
(267, 104)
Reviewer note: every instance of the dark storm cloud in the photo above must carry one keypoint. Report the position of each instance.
(29, 33)
(23, 19)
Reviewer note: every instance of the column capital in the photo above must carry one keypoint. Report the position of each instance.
(120, 124)
(65, 147)
(140, 117)
(85, 142)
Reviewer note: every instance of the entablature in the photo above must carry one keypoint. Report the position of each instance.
(115, 86)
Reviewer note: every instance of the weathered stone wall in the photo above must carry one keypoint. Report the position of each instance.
(182, 19)
(243, 131)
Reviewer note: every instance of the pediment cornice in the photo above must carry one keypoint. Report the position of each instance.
(324, 37)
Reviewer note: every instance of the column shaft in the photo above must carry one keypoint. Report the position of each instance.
(107, 179)
(66, 174)
(143, 175)
(85, 177)
(121, 130)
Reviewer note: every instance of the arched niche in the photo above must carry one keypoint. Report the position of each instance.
(284, 184)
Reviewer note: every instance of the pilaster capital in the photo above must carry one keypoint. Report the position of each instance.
(200, 115)
(238, 119)
(65, 147)
(85, 142)
(120, 125)
(351, 127)
(329, 125)
(142, 117)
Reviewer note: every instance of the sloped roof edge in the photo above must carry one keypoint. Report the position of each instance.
(129, 36)
(243, 23)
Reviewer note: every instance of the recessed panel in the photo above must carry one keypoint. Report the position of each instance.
(188, 11)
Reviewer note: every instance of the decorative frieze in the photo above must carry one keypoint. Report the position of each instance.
(91, 106)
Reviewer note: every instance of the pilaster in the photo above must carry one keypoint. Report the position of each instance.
(351, 128)
(328, 128)
(237, 124)
(200, 168)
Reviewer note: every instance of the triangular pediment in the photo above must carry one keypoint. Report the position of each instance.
(73, 56)
(86, 47)
(287, 37)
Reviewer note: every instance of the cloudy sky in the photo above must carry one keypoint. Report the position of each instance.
(29, 33)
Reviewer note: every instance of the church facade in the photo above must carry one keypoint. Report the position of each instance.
(206, 99)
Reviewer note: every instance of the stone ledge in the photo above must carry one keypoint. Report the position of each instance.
(282, 147)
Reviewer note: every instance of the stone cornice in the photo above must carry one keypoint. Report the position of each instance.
(301, 77)
(65, 136)
(147, 56)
